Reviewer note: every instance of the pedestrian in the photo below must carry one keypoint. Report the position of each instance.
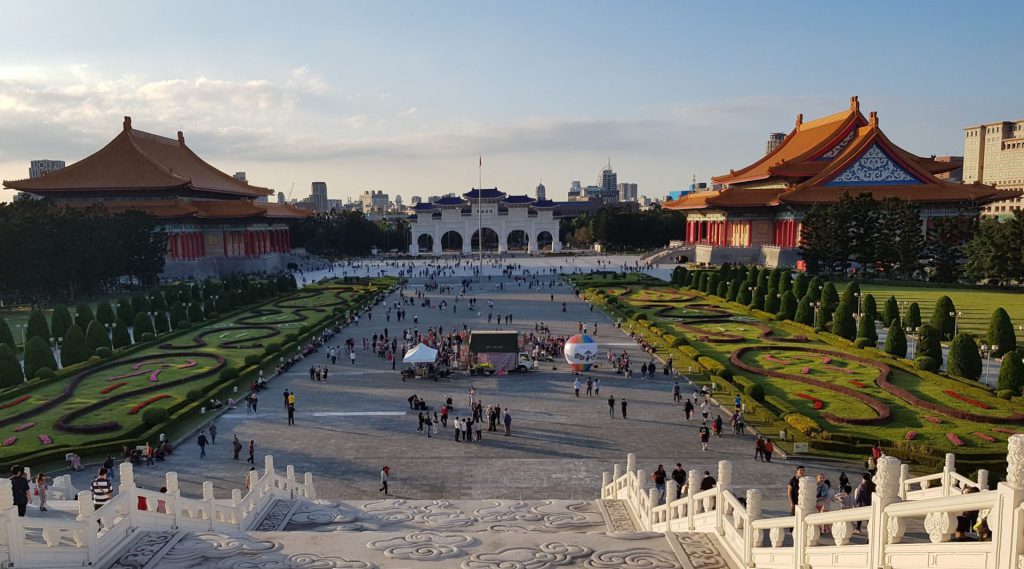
(793, 489)
(286, 394)
(352, 356)
(201, 441)
(718, 425)
(248, 478)
(862, 496)
(20, 489)
(465, 424)
(419, 426)
(679, 477)
(688, 409)
(576, 387)
(708, 482)
(769, 448)
(478, 426)
(255, 402)
(385, 473)
(508, 423)
(611, 406)
(659, 477)
(252, 452)
(705, 436)
(759, 448)
(458, 429)
(102, 489)
(590, 387)
(41, 488)
(622, 406)
(213, 433)
(675, 393)
(236, 446)
(291, 415)
(597, 388)
(429, 423)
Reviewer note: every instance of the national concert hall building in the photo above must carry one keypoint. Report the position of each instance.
(213, 221)
(754, 215)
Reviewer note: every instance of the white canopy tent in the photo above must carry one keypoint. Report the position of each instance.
(421, 354)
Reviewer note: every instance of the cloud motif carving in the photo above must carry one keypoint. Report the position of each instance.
(547, 556)
(424, 546)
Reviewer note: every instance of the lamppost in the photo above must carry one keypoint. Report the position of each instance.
(912, 335)
(23, 328)
(859, 309)
(55, 346)
(816, 306)
(110, 331)
(987, 350)
(955, 314)
(152, 320)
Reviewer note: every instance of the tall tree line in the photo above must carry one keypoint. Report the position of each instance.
(50, 252)
(621, 230)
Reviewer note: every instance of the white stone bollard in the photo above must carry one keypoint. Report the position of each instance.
(171, 483)
(982, 479)
(310, 489)
(126, 472)
(630, 462)
(268, 464)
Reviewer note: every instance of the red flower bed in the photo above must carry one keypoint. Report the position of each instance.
(112, 387)
(24, 427)
(815, 402)
(805, 370)
(45, 440)
(1006, 431)
(10, 441)
(911, 435)
(954, 439)
(858, 383)
(17, 401)
(984, 437)
(931, 419)
(966, 399)
(147, 402)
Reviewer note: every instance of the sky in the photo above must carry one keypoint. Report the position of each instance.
(404, 96)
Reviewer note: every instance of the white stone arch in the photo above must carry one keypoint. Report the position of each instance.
(545, 241)
(425, 242)
(451, 241)
(521, 241)
(491, 239)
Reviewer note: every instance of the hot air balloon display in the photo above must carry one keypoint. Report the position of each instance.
(580, 352)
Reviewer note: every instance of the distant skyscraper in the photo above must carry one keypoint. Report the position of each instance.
(240, 176)
(575, 190)
(37, 168)
(398, 202)
(416, 200)
(280, 197)
(542, 193)
(627, 192)
(774, 140)
(319, 196)
(609, 181)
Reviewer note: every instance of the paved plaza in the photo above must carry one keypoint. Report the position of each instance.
(360, 420)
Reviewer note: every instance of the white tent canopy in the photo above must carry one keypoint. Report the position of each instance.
(421, 354)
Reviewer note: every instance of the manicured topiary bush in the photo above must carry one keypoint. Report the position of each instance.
(755, 391)
(914, 315)
(38, 355)
(804, 424)
(964, 357)
(896, 339)
(941, 318)
(1011, 373)
(46, 373)
(252, 360)
(926, 363)
(787, 306)
(771, 301)
(6, 337)
(1000, 333)
(843, 324)
(104, 352)
(864, 343)
(11, 373)
(890, 311)
(195, 395)
(229, 373)
(105, 313)
(148, 337)
(155, 416)
(74, 348)
(120, 336)
(930, 343)
(83, 316)
(96, 337)
(37, 326)
(1006, 394)
(60, 320)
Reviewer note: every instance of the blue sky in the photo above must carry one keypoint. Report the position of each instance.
(402, 96)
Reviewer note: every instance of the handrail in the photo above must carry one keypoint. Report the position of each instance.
(769, 523)
(958, 503)
(836, 516)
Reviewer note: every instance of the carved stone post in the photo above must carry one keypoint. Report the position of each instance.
(751, 536)
(208, 498)
(11, 534)
(616, 471)
(882, 529)
(904, 476)
(947, 475)
(804, 535)
(652, 502)
(86, 535)
(605, 476)
(268, 464)
(171, 483)
(127, 489)
(630, 462)
(982, 479)
(724, 482)
(1009, 535)
(692, 487)
(310, 489)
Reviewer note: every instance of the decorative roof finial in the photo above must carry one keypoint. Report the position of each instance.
(181, 138)
(873, 120)
(799, 119)
(854, 103)
(127, 123)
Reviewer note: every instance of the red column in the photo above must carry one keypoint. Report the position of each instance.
(288, 239)
(792, 233)
(724, 239)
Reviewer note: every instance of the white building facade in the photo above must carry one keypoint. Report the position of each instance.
(509, 224)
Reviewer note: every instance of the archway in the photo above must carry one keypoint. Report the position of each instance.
(425, 242)
(490, 240)
(544, 241)
(451, 242)
(518, 240)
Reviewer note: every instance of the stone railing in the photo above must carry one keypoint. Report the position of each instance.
(94, 536)
(929, 505)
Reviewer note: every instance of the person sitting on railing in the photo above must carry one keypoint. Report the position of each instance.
(966, 521)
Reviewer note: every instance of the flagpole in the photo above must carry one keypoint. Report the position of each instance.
(479, 214)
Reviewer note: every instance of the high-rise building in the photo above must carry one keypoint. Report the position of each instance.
(774, 140)
(609, 181)
(398, 202)
(627, 192)
(280, 197)
(994, 155)
(542, 193)
(416, 200)
(38, 168)
(575, 190)
(319, 196)
(374, 201)
(240, 176)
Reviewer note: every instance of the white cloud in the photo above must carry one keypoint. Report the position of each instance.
(408, 113)
(303, 79)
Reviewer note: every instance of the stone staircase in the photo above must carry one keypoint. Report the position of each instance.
(471, 534)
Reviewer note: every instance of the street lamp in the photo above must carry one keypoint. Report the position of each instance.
(23, 332)
(857, 296)
(55, 344)
(987, 350)
(152, 320)
(816, 306)
(955, 315)
(110, 331)
(912, 334)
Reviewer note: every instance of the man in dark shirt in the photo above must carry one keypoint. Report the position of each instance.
(679, 476)
(19, 486)
(793, 489)
(623, 405)
(201, 441)
(708, 482)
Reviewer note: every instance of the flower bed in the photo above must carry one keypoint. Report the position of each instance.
(826, 360)
(1007, 431)
(858, 383)
(17, 401)
(966, 399)
(931, 419)
(984, 437)
(817, 403)
(112, 387)
(24, 427)
(957, 442)
(140, 406)
(911, 435)
(153, 376)
(805, 370)
(10, 441)
(45, 440)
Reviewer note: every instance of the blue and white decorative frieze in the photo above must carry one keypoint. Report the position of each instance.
(839, 147)
(874, 168)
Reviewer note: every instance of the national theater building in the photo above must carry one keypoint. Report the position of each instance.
(509, 224)
(756, 215)
(214, 223)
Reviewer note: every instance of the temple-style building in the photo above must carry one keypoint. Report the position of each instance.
(214, 224)
(509, 224)
(756, 217)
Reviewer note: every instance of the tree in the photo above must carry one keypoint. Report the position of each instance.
(757, 301)
(762, 277)
(930, 343)
(914, 315)
(800, 285)
(125, 310)
(37, 326)
(60, 320)
(785, 281)
(120, 337)
(829, 296)
(6, 337)
(772, 301)
(964, 357)
(896, 339)
(804, 312)
(945, 243)
(734, 289)
(679, 276)
(870, 308)
(891, 310)
(851, 294)
(74, 349)
(38, 355)
(943, 316)
(843, 324)
(140, 303)
(723, 289)
(995, 253)
(773, 278)
(787, 308)
(743, 296)
(10, 368)
(96, 337)
(866, 328)
(195, 312)
(1000, 333)
(105, 313)
(141, 324)
(824, 317)
(1011, 373)
(814, 289)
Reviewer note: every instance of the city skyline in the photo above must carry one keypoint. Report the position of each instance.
(404, 97)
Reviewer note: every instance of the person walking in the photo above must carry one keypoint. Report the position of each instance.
(20, 489)
(252, 452)
(769, 448)
(611, 406)
(793, 489)
(385, 474)
(759, 448)
(102, 489)
(236, 446)
(597, 388)
(659, 477)
(478, 427)
(862, 495)
(465, 424)
(679, 477)
(291, 414)
(705, 436)
(576, 387)
(201, 441)
(688, 409)
(41, 489)
(458, 429)
(213, 433)
(622, 405)
(590, 387)
(675, 392)
(352, 356)
(508, 423)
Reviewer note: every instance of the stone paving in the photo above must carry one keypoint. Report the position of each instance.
(360, 420)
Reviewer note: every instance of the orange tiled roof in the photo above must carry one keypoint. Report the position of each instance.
(285, 210)
(137, 160)
(695, 200)
(202, 209)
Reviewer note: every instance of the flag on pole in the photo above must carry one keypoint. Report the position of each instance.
(481, 159)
